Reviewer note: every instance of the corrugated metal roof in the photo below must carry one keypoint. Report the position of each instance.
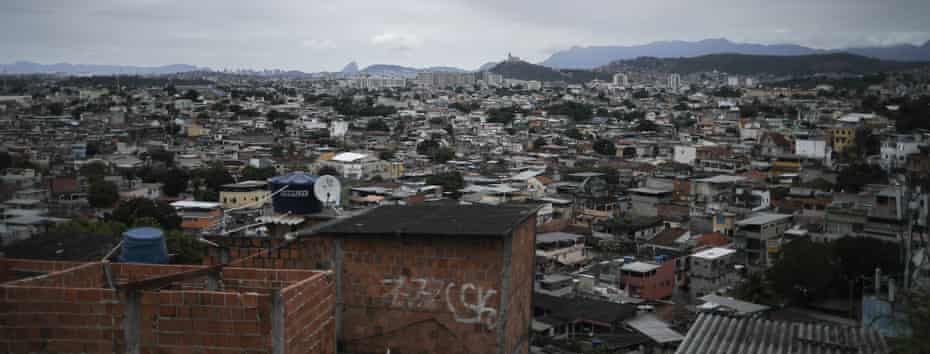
(724, 335)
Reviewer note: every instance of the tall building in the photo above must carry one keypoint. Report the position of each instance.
(674, 82)
(621, 79)
(733, 81)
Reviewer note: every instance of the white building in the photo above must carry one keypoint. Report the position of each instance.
(621, 79)
(338, 128)
(896, 148)
(685, 154)
(812, 148)
(357, 166)
(733, 81)
(674, 82)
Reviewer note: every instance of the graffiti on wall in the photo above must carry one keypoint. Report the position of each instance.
(467, 302)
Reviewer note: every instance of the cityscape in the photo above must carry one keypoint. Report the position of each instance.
(656, 196)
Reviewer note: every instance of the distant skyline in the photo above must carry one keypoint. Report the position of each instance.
(325, 35)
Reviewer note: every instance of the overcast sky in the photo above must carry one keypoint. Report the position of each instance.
(317, 35)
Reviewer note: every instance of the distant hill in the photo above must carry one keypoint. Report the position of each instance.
(742, 64)
(521, 70)
(350, 68)
(591, 57)
(403, 71)
(28, 67)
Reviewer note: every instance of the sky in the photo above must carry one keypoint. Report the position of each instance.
(325, 35)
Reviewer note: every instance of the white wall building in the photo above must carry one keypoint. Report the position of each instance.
(812, 148)
(685, 154)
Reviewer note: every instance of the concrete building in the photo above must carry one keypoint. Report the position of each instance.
(896, 148)
(198, 216)
(646, 200)
(674, 82)
(621, 79)
(250, 194)
(560, 249)
(358, 166)
(648, 280)
(711, 270)
(760, 237)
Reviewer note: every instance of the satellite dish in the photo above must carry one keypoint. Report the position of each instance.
(328, 190)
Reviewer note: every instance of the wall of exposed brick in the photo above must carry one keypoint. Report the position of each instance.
(306, 253)
(205, 321)
(421, 294)
(71, 311)
(520, 291)
(62, 320)
(309, 315)
(12, 268)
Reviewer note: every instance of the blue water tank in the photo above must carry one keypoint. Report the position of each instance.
(298, 198)
(144, 245)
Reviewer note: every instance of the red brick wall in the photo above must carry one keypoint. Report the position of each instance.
(306, 253)
(205, 321)
(520, 292)
(13, 268)
(659, 286)
(309, 321)
(88, 275)
(421, 294)
(63, 320)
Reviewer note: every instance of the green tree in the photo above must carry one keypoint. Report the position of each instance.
(574, 133)
(427, 147)
(917, 319)
(6, 161)
(328, 171)
(605, 147)
(175, 182)
(851, 179)
(450, 182)
(185, 248)
(94, 171)
(539, 142)
(131, 211)
(442, 154)
(250, 173)
(377, 124)
(646, 125)
(386, 155)
(215, 177)
(817, 264)
(102, 194)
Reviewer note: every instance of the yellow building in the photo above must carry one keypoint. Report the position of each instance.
(253, 194)
(196, 130)
(843, 137)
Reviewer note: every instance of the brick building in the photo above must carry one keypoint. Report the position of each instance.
(414, 279)
(102, 307)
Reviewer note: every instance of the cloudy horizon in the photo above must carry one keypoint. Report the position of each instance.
(326, 35)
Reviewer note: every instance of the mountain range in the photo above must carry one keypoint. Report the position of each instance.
(592, 57)
(522, 70)
(27, 67)
(778, 65)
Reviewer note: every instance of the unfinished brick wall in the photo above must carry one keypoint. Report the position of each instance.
(205, 321)
(520, 291)
(306, 253)
(65, 311)
(309, 322)
(13, 269)
(72, 311)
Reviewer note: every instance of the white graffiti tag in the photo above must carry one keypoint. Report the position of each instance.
(479, 311)
(424, 294)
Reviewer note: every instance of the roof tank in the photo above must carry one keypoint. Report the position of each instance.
(298, 198)
(144, 245)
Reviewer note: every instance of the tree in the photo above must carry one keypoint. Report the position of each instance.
(258, 174)
(859, 256)
(501, 115)
(815, 261)
(131, 211)
(94, 171)
(917, 320)
(386, 155)
(539, 142)
(163, 156)
(851, 179)
(645, 125)
(102, 194)
(328, 171)
(605, 147)
(215, 177)
(279, 125)
(426, 147)
(6, 161)
(377, 124)
(185, 248)
(442, 154)
(574, 133)
(174, 182)
(450, 182)
(579, 112)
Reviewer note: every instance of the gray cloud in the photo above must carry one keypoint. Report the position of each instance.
(326, 34)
